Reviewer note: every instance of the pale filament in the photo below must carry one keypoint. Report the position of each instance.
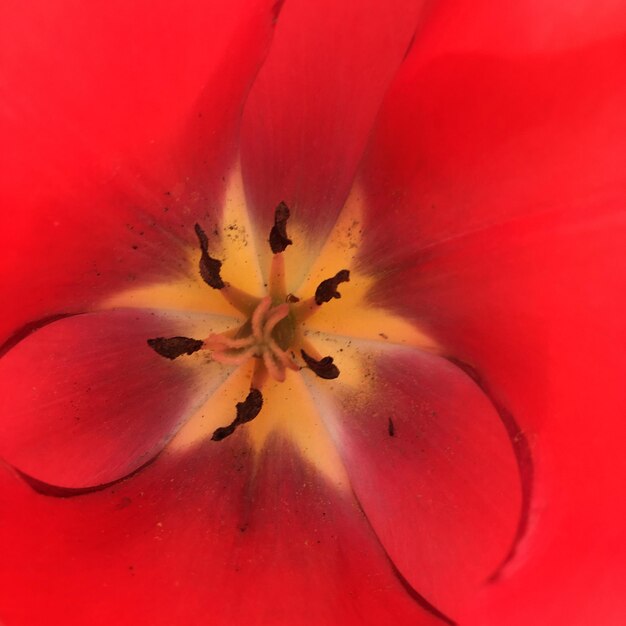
(277, 277)
(239, 299)
(305, 309)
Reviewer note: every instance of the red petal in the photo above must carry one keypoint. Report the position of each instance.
(434, 469)
(86, 401)
(512, 28)
(508, 248)
(468, 141)
(539, 310)
(119, 123)
(312, 107)
(216, 536)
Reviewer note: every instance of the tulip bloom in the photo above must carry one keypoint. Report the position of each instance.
(313, 313)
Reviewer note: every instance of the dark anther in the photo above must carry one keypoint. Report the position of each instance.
(173, 347)
(223, 431)
(391, 429)
(327, 289)
(324, 368)
(246, 412)
(209, 267)
(278, 235)
(292, 299)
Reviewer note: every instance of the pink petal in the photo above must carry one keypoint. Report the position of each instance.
(433, 467)
(212, 536)
(119, 123)
(313, 105)
(85, 400)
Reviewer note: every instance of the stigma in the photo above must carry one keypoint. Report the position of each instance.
(261, 342)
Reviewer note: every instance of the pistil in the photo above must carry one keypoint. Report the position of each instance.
(259, 343)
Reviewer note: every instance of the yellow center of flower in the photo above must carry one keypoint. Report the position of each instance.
(268, 325)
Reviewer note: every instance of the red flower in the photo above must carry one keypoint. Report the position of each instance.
(466, 462)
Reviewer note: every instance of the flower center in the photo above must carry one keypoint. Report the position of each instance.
(272, 332)
(265, 336)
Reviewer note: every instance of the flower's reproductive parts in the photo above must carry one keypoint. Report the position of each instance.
(288, 312)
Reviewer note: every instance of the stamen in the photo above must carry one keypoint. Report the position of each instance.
(173, 347)
(239, 299)
(246, 412)
(304, 309)
(278, 235)
(324, 367)
(325, 292)
(209, 267)
(259, 375)
(327, 289)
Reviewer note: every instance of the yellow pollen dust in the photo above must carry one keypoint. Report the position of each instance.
(336, 328)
